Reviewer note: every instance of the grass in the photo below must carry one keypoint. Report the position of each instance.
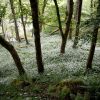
(71, 65)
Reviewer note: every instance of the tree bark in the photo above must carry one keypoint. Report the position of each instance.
(22, 19)
(91, 10)
(15, 22)
(59, 19)
(2, 27)
(78, 17)
(70, 32)
(68, 21)
(14, 54)
(94, 38)
(92, 49)
(34, 8)
(44, 5)
(42, 13)
(75, 10)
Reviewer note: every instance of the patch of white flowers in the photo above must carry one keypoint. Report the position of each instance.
(70, 63)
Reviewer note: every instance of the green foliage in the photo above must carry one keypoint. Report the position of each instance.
(65, 87)
(79, 97)
(86, 96)
(86, 29)
(51, 89)
(36, 89)
(61, 92)
(7, 91)
(49, 18)
(65, 92)
(2, 10)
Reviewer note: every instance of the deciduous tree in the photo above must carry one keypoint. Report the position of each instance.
(22, 19)
(59, 20)
(94, 38)
(78, 17)
(14, 54)
(15, 21)
(34, 8)
(68, 21)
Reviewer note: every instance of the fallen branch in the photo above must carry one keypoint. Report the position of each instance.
(55, 31)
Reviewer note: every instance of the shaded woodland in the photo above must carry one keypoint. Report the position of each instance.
(50, 50)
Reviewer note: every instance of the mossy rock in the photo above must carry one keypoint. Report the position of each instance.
(66, 87)
(64, 94)
(74, 85)
(51, 89)
(20, 83)
(60, 92)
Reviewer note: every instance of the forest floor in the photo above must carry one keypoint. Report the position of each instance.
(69, 66)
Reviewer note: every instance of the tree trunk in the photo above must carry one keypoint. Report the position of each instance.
(59, 20)
(42, 13)
(34, 8)
(94, 38)
(91, 9)
(25, 22)
(16, 26)
(44, 5)
(75, 10)
(68, 21)
(22, 19)
(91, 5)
(92, 49)
(70, 32)
(78, 17)
(14, 54)
(2, 27)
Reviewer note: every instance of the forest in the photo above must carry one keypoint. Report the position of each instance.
(49, 49)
